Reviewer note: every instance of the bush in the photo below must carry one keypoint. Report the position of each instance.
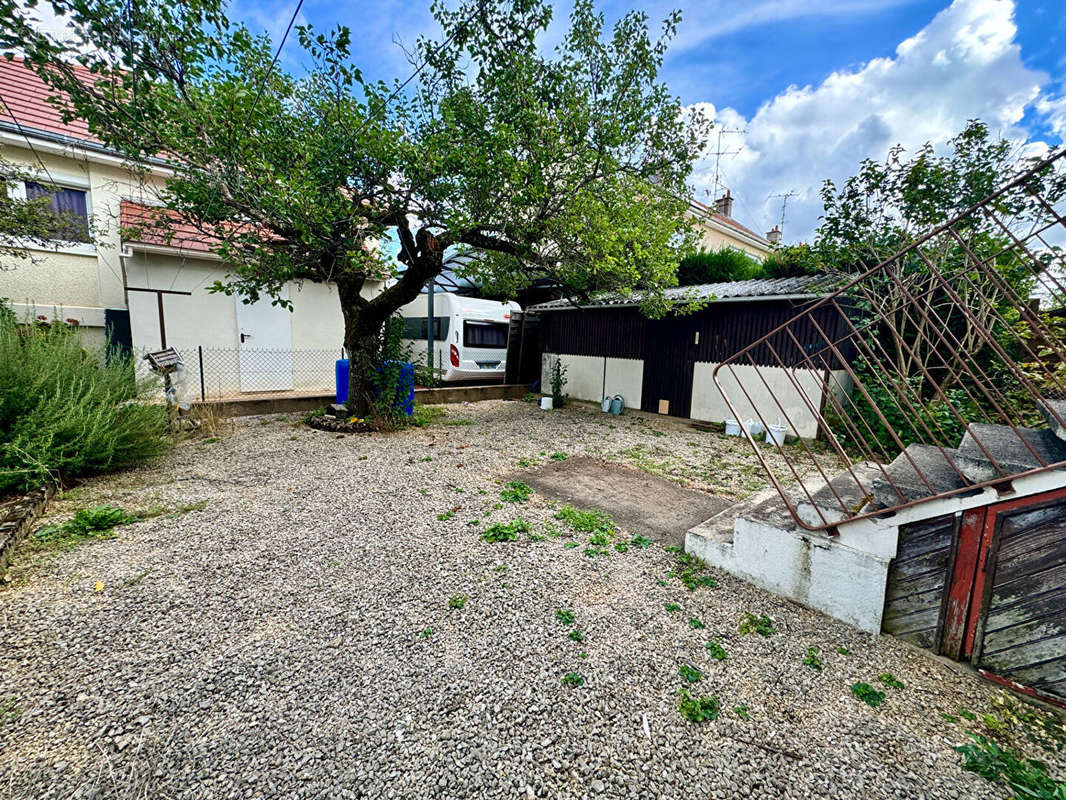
(66, 411)
(717, 266)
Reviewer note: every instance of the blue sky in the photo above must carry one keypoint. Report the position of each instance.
(816, 85)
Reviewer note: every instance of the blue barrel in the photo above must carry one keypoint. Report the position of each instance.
(342, 381)
(405, 388)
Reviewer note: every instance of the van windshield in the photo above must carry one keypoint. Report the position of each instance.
(485, 334)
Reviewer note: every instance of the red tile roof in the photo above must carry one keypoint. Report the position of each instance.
(141, 225)
(27, 97)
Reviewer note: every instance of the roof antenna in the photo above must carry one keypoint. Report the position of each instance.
(784, 204)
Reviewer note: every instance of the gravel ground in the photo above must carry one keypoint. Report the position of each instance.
(268, 645)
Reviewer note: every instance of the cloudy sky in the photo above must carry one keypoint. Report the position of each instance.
(815, 85)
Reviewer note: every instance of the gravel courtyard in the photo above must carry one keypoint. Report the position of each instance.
(293, 637)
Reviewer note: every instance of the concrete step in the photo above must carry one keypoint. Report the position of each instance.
(1013, 451)
(939, 473)
(1053, 411)
(847, 495)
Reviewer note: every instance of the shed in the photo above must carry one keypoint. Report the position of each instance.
(665, 365)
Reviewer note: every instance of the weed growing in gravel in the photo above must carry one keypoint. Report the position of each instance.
(528, 462)
(565, 616)
(695, 708)
(691, 572)
(643, 542)
(10, 711)
(888, 679)
(761, 625)
(1025, 777)
(516, 492)
(136, 578)
(537, 537)
(570, 545)
(576, 636)
(672, 607)
(446, 515)
(558, 456)
(426, 458)
(87, 523)
(552, 530)
(742, 712)
(505, 532)
(843, 651)
(592, 552)
(621, 547)
(426, 633)
(660, 581)
(716, 650)
(868, 694)
(600, 539)
(473, 523)
(573, 679)
(690, 673)
(813, 660)
(590, 521)
(457, 600)
(695, 623)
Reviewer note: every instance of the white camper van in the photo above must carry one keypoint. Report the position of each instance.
(469, 335)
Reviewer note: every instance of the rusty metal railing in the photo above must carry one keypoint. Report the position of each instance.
(934, 373)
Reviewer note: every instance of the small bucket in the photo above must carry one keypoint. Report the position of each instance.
(545, 404)
(754, 428)
(605, 406)
(732, 427)
(617, 404)
(775, 434)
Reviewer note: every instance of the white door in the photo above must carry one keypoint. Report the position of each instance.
(265, 346)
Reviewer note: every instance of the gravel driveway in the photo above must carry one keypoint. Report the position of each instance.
(294, 639)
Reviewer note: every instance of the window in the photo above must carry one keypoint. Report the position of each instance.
(485, 334)
(70, 207)
(418, 328)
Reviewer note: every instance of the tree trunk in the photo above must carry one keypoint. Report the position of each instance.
(362, 339)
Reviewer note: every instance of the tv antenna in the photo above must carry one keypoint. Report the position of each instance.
(785, 197)
(719, 152)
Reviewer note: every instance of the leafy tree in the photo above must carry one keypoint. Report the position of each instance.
(569, 165)
(716, 266)
(792, 261)
(887, 206)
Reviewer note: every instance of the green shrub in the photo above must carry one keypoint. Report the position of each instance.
(66, 411)
(87, 523)
(717, 266)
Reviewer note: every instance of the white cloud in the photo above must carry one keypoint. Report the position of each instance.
(964, 64)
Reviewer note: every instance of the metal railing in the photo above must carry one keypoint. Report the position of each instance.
(939, 360)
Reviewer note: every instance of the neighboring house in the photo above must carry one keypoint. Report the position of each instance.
(666, 365)
(719, 229)
(143, 293)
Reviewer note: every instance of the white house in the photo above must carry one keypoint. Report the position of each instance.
(149, 294)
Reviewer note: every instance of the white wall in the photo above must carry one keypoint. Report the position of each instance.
(843, 582)
(800, 403)
(590, 377)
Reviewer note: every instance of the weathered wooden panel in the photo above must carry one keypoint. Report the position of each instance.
(669, 359)
(1024, 624)
(916, 580)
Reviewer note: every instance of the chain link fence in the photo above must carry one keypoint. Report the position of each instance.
(227, 373)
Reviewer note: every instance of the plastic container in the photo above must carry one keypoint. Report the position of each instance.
(754, 428)
(605, 406)
(617, 404)
(775, 434)
(732, 427)
(342, 381)
(405, 385)
(545, 404)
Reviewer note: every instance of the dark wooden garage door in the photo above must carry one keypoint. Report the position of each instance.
(669, 361)
(917, 578)
(1022, 634)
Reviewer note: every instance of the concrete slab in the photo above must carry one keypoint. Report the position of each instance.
(937, 474)
(640, 503)
(1014, 451)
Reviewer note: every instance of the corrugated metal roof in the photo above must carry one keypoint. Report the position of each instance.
(803, 287)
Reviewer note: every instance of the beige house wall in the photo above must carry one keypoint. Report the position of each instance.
(80, 281)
